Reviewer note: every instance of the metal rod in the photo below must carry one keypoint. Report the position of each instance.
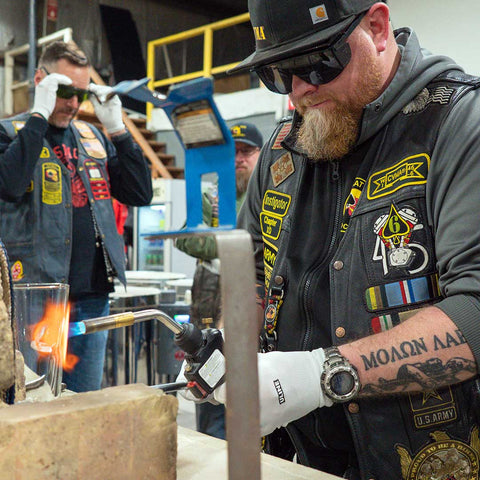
(125, 319)
(237, 276)
(32, 52)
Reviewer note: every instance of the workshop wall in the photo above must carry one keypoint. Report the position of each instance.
(153, 19)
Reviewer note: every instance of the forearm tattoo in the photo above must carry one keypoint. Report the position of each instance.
(428, 374)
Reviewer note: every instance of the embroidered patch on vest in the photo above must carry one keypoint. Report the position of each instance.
(406, 292)
(409, 171)
(393, 245)
(45, 153)
(282, 169)
(98, 184)
(433, 407)
(386, 322)
(442, 459)
(351, 202)
(271, 225)
(17, 125)
(269, 256)
(276, 203)
(84, 129)
(51, 184)
(441, 95)
(17, 271)
(94, 148)
(277, 144)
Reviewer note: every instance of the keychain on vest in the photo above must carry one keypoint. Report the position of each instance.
(272, 308)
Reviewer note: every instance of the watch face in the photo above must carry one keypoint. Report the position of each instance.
(342, 383)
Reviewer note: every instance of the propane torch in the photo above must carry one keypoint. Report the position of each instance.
(205, 363)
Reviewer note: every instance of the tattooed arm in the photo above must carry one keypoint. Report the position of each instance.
(425, 352)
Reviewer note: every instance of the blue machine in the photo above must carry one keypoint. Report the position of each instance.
(208, 143)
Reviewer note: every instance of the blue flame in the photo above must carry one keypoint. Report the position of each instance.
(76, 328)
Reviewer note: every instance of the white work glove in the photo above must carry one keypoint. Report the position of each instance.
(46, 93)
(109, 112)
(289, 387)
(187, 394)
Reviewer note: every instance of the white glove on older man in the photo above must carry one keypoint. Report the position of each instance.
(46, 94)
(289, 387)
(109, 112)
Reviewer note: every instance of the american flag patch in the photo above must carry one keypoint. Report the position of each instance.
(281, 135)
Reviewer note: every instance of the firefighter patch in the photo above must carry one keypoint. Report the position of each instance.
(277, 144)
(442, 459)
(409, 171)
(84, 129)
(17, 271)
(51, 184)
(282, 169)
(93, 147)
(393, 246)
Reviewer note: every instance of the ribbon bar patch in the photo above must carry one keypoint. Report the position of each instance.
(406, 292)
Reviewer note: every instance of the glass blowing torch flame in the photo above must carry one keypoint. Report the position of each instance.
(124, 319)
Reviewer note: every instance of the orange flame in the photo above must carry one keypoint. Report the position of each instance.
(50, 335)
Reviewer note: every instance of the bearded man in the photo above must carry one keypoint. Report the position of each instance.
(371, 277)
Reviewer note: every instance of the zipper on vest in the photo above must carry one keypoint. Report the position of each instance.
(336, 178)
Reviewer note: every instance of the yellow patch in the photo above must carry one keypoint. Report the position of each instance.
(276, 203)
(409, 171)
(45, 153)
(17, 271)
(51, 184)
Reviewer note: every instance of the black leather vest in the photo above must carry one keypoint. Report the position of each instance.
(382, 267)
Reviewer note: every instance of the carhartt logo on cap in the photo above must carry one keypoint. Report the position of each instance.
(319, 14)
(259, 33)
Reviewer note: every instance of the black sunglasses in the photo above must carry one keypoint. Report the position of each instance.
(319, 66)
(67, 91)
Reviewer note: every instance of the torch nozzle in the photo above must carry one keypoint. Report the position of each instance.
(124, 319)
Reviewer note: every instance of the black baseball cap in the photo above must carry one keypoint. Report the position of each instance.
(286, 28)
(247, 133)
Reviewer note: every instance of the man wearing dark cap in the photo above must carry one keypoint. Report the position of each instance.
(372, 273)
(206, 301)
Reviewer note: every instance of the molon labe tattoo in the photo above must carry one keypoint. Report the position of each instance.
(427, 374)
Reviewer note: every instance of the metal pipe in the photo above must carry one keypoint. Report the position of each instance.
(126, 319)
(32, 52)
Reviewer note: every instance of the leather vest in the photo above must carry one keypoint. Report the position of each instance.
(382, 268)
(37, 231)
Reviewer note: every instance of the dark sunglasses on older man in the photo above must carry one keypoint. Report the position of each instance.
(67, 91)
(319, 66)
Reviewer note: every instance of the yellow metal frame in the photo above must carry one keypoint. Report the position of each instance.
(208, 69)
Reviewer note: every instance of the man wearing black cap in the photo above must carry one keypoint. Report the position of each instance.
(206, 301)
(364, 216)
